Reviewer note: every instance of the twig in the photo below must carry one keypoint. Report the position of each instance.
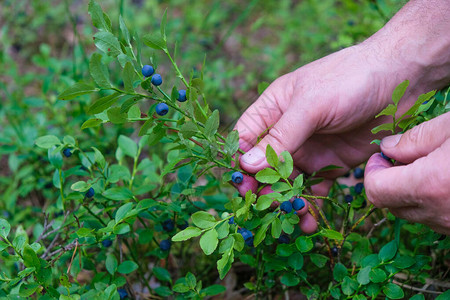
(73, 256)
(375, 226)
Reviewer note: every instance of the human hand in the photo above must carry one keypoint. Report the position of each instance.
(419, 190)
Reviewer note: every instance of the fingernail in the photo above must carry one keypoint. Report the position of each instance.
(253, 157)
(391, 141)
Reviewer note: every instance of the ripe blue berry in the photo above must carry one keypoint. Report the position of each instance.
(168, 225)
(284, 239)
(165, 245)
(90, 193)
(162, 109)
(107, 243)
(298, 203)
(182, 95)
(286, 206)
(348, 198)
(237, 177)
(122, 293)
(358, 173)
(231, 220)
(183, 226)
(359, 188)
(67, 152)
(334, 251)
(156, 79)
(249, 242)
(384, 156)
(246, 234)
(147, 70)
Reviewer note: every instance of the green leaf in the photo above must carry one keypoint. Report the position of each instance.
(128, 146)
(121, 228)
(286, 166)
(393, 291)
(124, 30)
(127, 267)
(163, 291)
(399, 91)
(276, 228)
(188, 129)
(377, 275)
(118, 193)
(260, 234)
(339, 272)
(203, 219)
(318, 259)
(349, 285)
(28, 289)
(331, 234)
(403, 262)
(232, 142)
(295, 261)
(304, 244)
(76, 90)
(180, 288)
(5, 228)
(363, 276)
(47, 141)
(122, 212)
(213, 290)
(115, 116)
(98, 71)
(388, 251)
(385, 126)
(284, 250)
(128, 76)
(390, 110)
(96, 13)
(103, 103)
(108, 43)
(162, 274)
(80, 186)
(267, 176)
(209, 241)
(272, 157)
(111, 264)
(280, 187)
(30, 258)
(186, 234)
(443, 296)
(266, 200)
(155, 41)
(212, 124)
(163, 25)
(262, 86)
(91, 123)
(287, 226)
(290, 279)
(191, 281)
(129, 103)
(422, 297)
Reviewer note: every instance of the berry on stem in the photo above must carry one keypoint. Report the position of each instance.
(237, 177)
(156, 79)
(90, 193)
(384, 156)
(122, 293)
(67, 152)
(107, 243)
(348, 198)
(246, 234)
(286, 206)
(165, 245)
(183, 226)
(284, 239)
(168, 225)
(162, 109)
(182, 95)
(231, 220)
(298, 203)
(334, 251)
(147, 70)
(359, 188)
(358, 173)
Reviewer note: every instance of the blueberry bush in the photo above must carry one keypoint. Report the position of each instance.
(118, 167)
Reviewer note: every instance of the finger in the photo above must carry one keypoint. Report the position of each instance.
(248, 183)
(417, 142)
(389, 186)
(308, 224)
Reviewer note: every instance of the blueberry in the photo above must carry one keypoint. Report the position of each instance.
(249, 242)
(122, 293)
(286, 206)
(182, 95)
(384, 156)
(147, 70)
(183, 226)
(284, 239)
(298, 203)
(162, 109)
(90, 193)
(165, 245)
(358, 173)
(359, 187)
(156, 79)
(246, 234)
(231, 220)
(334, 251)
(168, 225)
(348, 198)
(237, 177)
(67, 152)
(107, 243)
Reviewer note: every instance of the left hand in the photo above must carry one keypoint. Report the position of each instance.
(418, 190)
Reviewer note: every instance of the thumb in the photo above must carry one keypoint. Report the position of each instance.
(293, 128)
(417, 142)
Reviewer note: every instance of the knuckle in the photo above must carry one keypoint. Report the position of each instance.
(276, 138)
(416, 135)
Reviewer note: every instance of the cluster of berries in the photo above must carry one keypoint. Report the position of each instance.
(161, 108)
(169, 226)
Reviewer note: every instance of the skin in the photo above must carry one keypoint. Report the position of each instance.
(322, 113)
